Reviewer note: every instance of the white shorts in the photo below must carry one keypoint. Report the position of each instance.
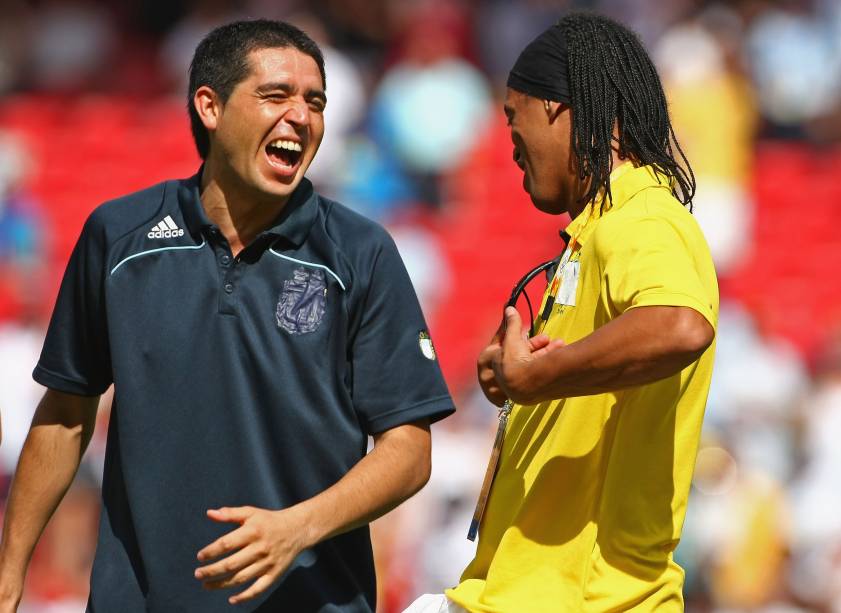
(434, 603)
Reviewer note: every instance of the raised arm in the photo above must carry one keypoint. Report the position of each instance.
(60, 432)
(640, 346)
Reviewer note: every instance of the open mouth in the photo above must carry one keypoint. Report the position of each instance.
(284, 153)
(518, 159)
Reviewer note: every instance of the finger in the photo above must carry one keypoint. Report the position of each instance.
(493, 392)
(225, 567)
(555, 344)
(539, 341)
(232, 541)
(488, 353)
(257, 588)
(231, 514)
(244, 575)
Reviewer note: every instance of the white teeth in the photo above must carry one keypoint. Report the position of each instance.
(286, 144)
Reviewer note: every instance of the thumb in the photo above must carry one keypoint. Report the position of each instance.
(500, 331)
(230, 514)
(513, 327)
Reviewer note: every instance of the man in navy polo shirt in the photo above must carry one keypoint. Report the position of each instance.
(256, 334)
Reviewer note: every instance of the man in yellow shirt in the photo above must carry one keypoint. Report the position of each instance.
(588, 501)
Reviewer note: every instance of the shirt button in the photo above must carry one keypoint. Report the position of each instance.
(225, 259)
(229, 287)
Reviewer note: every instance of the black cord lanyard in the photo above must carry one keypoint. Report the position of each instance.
(505, 411)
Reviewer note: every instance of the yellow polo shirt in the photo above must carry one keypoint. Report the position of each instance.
(589, 499)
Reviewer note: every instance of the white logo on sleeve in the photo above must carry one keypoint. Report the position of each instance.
(165, 228)
(426, 346)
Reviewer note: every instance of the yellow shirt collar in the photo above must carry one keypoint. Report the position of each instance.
(626, 181)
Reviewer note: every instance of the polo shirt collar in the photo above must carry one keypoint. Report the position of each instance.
(626, 181)
(293, 222)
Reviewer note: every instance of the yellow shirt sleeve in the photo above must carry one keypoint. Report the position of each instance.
(652, 260)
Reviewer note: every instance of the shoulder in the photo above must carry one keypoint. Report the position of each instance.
(652, 215)
(352, 233)
(360, 246)
(121, 216)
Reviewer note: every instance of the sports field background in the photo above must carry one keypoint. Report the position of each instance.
(92, 106)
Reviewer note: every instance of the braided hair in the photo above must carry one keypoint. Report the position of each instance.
(612, 81)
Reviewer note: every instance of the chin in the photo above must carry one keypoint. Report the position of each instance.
(551, 206)
(280, 186)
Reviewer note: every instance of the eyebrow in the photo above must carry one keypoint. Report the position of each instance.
(266, 88)
(509, 112)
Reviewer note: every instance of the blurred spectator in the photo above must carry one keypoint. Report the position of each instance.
(816, 495)
(426, 264)
(71, 42)
(737, 531)
(756, 385)
(649, 18)
(501, 28)
(713, 112)
(370, 181)
(795, 56)
(20, 346)
(21, 235)
(430, 107)
(179, 44)
(14, 33)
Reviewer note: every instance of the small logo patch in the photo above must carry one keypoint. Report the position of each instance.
(302, 301)
(166, 228)
(426, 346)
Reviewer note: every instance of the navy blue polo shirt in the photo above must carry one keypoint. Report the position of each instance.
(248, 380)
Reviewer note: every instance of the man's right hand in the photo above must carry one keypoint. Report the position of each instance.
(11, 591)
(61, 429)
(484, 366)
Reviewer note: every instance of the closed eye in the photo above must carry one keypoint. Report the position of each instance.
(317, 104)
(274, 97)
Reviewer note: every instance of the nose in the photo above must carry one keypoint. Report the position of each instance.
(298, 113)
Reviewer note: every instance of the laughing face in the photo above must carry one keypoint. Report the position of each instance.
(267, 133)
(541, 135)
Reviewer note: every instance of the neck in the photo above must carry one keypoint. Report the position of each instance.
(240, 213)
(576, 208)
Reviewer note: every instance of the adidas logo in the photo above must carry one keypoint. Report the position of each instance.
(165, 228)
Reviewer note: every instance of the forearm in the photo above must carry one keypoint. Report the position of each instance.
(392, 472)
(48, 462)
(641, 346)
(267, 541)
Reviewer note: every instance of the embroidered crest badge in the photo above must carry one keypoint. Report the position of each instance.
(302, 301)
(426, 346)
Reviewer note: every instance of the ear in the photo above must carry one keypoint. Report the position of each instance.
(553, 109)
(208, 106)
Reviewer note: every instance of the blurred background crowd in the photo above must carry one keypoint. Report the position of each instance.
(92, 106)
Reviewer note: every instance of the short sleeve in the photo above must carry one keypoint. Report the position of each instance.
(75, 357)
(646, 262)
(396, 375)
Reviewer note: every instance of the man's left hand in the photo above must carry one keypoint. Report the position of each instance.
(259, 550)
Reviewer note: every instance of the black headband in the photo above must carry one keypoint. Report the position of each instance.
(541, 69)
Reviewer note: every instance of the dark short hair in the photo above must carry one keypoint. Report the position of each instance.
(221, 61)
